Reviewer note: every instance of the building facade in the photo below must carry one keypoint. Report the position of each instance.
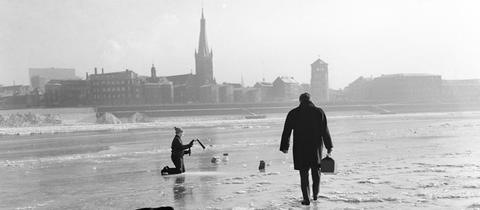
(184, 88)
(158, 93)
(14, 90)
(286, 89)
(461, 90)
(358, 90)
(40, 76)
(396, 88)
(209, 94)
(116, 88)
(319, 81)
(62, 93)
(225, 93)
(157, 90)
(265, 90)
(406, 87)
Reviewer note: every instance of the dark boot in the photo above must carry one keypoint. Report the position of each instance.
(305, 186)
(165, 170)
(316, 182)
(306, 202)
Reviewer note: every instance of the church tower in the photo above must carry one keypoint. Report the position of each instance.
(319, 81)
(203, 58)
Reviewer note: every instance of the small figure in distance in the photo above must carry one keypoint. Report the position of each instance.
(261, 166)
(309, 124)
(178, 150)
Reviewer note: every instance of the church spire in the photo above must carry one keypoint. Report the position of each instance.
(203, 58)
(202, 42)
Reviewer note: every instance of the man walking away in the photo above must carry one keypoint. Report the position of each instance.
(310, 132)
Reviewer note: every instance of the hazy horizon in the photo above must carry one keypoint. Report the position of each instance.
(259, 39)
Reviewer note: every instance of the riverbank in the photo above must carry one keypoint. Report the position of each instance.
(75, 120)
(268, 108)
(216, 121)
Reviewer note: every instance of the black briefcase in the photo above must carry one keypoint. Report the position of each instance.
(327, 165)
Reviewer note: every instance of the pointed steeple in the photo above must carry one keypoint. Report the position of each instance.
(202, 42)
(203, 58)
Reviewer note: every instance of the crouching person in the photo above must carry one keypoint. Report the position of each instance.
(178, 150)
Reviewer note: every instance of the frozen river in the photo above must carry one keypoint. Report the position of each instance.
(402, 161)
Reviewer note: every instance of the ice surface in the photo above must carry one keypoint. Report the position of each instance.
(400, 161)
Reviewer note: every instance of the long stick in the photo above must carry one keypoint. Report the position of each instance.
(203, 146)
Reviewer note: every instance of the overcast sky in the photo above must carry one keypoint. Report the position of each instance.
(256, 38)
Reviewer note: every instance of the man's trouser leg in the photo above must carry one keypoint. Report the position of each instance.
(304, 185)
(178, 162)
(182, 167)
(315, 182)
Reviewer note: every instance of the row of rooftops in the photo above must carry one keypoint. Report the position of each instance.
(462, 82)
(401, 75)
(176, 79)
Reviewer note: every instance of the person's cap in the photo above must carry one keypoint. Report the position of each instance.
(304, 97)
(178, 130)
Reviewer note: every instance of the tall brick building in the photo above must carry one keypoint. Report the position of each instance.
(114, 88)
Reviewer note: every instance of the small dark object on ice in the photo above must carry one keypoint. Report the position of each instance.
(158, 208)
(225, 157)
(261, 167)
(215, 159)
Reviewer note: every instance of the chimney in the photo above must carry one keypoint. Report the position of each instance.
(95, 70)
(102, 70)
(86, 75)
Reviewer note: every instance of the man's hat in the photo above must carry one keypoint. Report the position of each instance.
(178, 130)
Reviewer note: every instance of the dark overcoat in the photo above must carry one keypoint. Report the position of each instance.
(310, 132)
(178, 149)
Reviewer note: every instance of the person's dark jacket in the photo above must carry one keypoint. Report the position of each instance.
(310, 132)
(178, 148)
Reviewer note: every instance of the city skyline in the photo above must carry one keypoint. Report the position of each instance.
(247, 37)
